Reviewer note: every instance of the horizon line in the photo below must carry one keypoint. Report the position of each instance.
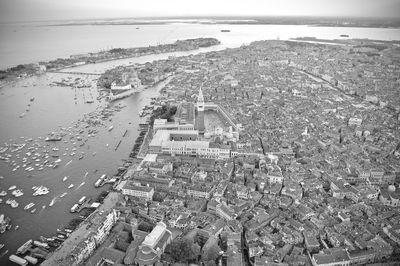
(208, 16)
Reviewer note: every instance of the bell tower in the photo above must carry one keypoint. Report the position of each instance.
(200, 112)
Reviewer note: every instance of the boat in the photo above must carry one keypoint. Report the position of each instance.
(74, 208)
(18, 260)
(32, 99)
(82, 200)
(63, 194)
(40, 244)
(12, 187)
(33, 210)
(31, 260)
(28, 206)
(4, 222)
(65, 178)
(344, 35)
(24, 248)
(13, 203)
(225, 31)
(52, 202)
(110, 128)
(3, 193)
(42, 190)
(56, 138)
(1, 246)
(17, 193)
(71, 186)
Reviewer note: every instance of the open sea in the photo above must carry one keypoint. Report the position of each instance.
(58, 108)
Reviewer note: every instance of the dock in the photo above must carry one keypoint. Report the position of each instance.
(84, 205)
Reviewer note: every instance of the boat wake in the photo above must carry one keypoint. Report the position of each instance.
(68, 163)
(80, 185)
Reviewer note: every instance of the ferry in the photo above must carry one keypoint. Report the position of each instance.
(24, 248)
(18, 260)
(40, 244)
(28, 206)
(31, 260)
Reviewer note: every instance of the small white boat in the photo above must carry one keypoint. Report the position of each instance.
(65, 178)
(17, 193)
(52, 202)
(3, 193)
(58, 160)
(110, 128)
(33, 210)
(28, 206)
(71, 186)
(63, 195)
(12, 187)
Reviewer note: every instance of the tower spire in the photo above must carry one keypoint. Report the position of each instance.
(200, 98)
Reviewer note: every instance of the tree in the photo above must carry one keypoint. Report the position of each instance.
(145, 226)
(200, 240)
(158, 197)
(184, 250)
(211, 253)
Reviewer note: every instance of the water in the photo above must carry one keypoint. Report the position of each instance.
(24, 43)
(54, 107)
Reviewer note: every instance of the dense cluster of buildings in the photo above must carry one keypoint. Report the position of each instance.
(292, 160)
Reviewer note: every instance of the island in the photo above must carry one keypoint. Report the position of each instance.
(277, 152)
(25, 70)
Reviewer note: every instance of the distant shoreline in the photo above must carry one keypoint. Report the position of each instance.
(305, 21)
(225, 23)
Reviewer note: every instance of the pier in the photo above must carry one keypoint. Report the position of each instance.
(74, 73)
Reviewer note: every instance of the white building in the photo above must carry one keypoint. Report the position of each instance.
(144, 192)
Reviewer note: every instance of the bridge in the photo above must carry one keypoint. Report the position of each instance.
(74, 73)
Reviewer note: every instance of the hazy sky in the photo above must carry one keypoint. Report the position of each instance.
(26, 10)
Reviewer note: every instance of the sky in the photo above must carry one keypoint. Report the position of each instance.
(36, 10)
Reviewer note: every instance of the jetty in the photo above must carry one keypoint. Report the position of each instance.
(73, 73)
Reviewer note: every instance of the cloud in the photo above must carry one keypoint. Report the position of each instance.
(25, 10)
